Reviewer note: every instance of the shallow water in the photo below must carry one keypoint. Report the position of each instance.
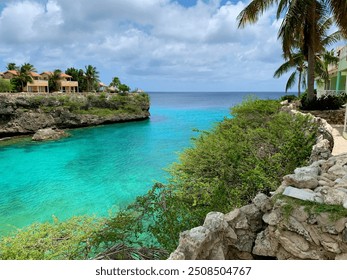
(102, 169)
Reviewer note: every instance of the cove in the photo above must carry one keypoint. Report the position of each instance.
(101, 169)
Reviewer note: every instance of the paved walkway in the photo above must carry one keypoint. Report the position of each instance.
(340, 143)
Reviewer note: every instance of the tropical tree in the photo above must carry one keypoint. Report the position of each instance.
(53, 80)
(301, 18)
(91, 76)
(24, 76)
(297, 58)
(79, 76)
(115, 82)
(11, 66)
(119, 86)
(324, 60)
(298, 64)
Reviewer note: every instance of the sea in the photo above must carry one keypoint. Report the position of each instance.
(100, 170)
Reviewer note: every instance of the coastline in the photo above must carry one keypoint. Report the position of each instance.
(24, 114)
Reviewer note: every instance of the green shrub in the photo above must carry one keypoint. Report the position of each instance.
(227, 167)
(58, 240)
(5, 85)
(325, 102)
(289, 97)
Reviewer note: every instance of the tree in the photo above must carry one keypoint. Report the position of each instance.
(115, 82)
(91, 76)
(24, 76)
(53, 80)
(118, 84)
(325, 59)
(296, 63)
(5, 85)
(12, 66)
(296, 59)
(301, 18)
(79, 76)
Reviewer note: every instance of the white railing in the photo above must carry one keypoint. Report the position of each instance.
(323, 92)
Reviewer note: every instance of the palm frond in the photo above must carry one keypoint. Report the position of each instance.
(251, 13)
(291, 81)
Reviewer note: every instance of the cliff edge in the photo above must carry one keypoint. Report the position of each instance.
(25, 113)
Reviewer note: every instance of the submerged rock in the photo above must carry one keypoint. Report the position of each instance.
(49, 134)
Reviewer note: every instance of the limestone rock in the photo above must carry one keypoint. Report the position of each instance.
(265, 245)
(49, 134)
(262, 202)
(301, 181)
(303, 194)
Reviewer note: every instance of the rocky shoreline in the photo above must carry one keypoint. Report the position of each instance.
(25, 114)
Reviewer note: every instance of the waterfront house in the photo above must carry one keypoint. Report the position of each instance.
(38, 84)
(337, 76)
(65, 82)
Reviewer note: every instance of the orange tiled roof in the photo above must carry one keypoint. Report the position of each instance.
(34, 74)
(14, 72)
(63, 75)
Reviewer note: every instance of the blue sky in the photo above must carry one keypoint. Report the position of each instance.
(155, 45)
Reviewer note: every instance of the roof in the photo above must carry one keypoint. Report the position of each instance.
(13, 72)
(63, 75)
(34, 74)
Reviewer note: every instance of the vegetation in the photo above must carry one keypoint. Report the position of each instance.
(325, 102)
(335, 212)
(88, 79)
(224, 169)
(5, 85)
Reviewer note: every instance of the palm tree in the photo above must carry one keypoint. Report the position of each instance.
(12, 66)
(53, 80)
(298, 64)
(301, 19)
(24, 76)
(297, 58)
(324, 60)
(91, 76)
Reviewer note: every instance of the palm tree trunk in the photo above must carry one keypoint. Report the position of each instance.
(311, 52)
(299, 84)
(310, 74)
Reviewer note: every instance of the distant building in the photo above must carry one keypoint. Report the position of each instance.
(38, 84)
(65, 82)
(337, 76)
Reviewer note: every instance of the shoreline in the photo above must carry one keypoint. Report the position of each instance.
(24, 114)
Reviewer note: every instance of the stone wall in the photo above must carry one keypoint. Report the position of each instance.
(331, 116)
(287, 225)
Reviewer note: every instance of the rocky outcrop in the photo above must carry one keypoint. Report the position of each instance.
(49, 134)
(27, 113)
(305, 218)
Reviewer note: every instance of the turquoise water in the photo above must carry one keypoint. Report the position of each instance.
(102, 169)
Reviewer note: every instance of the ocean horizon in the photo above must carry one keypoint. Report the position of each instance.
(100, 170)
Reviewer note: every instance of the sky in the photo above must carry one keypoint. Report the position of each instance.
(154, 45)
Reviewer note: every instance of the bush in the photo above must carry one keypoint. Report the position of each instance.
(325, 102)
(289, 97)
(227, 167)
(5, 85)
(47, 241)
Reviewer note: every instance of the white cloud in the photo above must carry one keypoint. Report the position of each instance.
(151, 43)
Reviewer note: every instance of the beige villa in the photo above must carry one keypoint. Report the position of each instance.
(39, 83)
(65, 83)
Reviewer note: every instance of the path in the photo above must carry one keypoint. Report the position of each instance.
(340, 143)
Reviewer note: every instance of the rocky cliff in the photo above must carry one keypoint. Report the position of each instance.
(306, 218)
(27, 113)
